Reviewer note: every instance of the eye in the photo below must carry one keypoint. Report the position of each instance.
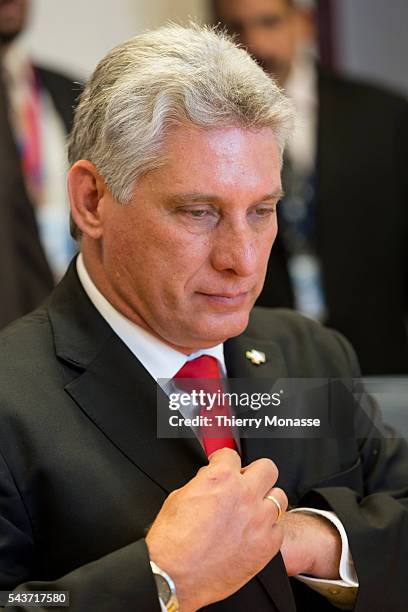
(265, 210)
(271, 21)
(199, 217)
(198, 214)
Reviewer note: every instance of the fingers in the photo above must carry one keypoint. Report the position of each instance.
(225, 457)
(278, 501)
(260, 476)
(224, 466)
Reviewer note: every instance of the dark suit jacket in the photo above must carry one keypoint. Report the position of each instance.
(361, 222)
(83, 475)
(25, 276)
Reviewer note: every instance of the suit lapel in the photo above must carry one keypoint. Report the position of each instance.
(115, 391)
(239, 366)
(274, 368)
(273, 577)
(125, 410)
(285, 452)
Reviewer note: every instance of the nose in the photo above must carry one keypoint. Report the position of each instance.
(237, 250)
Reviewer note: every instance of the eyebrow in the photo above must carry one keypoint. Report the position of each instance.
(185, 198)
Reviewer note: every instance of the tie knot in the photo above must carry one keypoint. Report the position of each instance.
(200, 367)
(214, 435)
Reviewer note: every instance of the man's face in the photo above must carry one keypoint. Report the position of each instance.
(13, 14)
(187, 257)
(267, 28)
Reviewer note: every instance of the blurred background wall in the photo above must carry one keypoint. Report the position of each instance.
(371, 40)
(369, 35)
(74, 35)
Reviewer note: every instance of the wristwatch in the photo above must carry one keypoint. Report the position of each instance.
(166, 588)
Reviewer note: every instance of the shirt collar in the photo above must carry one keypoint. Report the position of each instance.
(159, 359)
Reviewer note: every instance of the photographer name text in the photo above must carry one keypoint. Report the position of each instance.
(247, 422)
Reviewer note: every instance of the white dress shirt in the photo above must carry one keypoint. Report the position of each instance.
(163, 362)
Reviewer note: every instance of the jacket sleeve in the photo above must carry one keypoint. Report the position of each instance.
(376, 522)
(120, 581)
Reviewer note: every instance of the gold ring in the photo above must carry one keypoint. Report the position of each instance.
(273, 499)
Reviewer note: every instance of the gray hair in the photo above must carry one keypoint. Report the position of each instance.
(162, 79)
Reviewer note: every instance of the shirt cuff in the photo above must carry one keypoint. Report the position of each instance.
(162, 606)
(342, 593)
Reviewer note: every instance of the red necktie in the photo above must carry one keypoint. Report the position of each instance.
(207, 369)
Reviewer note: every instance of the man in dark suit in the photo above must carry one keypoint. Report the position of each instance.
(33, 252)
(25, 277)
(174, 183)
(342, 250)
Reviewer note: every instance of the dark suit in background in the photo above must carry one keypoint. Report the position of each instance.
(361, 222)
(25, 275)
(83, 475)
(64, 92)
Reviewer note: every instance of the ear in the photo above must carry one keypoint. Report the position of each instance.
(87, 190)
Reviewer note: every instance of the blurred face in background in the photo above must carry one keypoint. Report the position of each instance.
(13, 16)
(270, 29)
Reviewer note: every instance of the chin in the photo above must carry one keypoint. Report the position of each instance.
(216, 331)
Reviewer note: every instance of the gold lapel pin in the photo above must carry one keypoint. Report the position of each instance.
(256, 357)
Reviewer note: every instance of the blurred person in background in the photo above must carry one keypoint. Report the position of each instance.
(36, 112)
(341, 253)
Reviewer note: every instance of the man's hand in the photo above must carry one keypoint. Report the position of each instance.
(311, 545)
(217, 532)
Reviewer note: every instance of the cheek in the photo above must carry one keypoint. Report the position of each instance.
(181, 247)
(271, 237)
(265, 246)
(185, 262)
(168, 258)
(275, 231)
(154, 253)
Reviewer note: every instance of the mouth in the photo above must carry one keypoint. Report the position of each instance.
(225, 299)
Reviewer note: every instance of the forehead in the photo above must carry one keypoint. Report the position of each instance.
(226, 162)
(246, 9)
